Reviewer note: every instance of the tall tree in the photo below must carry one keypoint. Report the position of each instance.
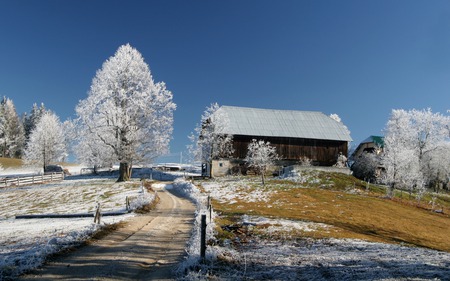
(260, 156)
(30, 121)
(12, 133)
(210, 140)
(47, 142)
(126, 112)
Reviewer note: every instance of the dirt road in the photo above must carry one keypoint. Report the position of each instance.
(148, 248)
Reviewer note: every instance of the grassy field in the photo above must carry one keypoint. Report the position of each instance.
(350, 207)
(13, 163)
(10, 163)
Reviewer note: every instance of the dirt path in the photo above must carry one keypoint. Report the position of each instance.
(148, 248)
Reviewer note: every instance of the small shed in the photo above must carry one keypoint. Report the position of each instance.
(372, 144)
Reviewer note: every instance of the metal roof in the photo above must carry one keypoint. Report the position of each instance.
(283, 123)
(378, 140)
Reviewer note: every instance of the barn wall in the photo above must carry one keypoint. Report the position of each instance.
(322, 152)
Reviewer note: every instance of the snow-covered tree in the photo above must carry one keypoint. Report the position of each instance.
(260, 156)
(337, 118)
(210, 140)
(30, 121)
(365, 166)
(47, 142)
(436, 167)
(91, 151)
(12, 137)
(410, 136)
(125, 114)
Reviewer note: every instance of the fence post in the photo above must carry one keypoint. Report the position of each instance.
(203, 238)
(127, 203)
(97, 214)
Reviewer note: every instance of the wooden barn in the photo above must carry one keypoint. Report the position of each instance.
(295, 134)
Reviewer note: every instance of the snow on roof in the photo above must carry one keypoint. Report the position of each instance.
(283, 123)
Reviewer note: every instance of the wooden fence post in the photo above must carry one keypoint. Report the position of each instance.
(97, 214)
(203, 238)
(127, 203)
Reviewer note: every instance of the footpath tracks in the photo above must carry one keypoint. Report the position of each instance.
(147, 248)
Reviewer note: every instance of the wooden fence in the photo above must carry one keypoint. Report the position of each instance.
(20, 181)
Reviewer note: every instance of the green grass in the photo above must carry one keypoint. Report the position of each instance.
(352, 210)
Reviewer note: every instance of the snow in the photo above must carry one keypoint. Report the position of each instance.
(230, 191)
(293, 258)
(25, 243)
(330, 259)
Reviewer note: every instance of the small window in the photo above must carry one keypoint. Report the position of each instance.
(220, 164)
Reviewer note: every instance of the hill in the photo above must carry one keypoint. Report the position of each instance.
(349, 208)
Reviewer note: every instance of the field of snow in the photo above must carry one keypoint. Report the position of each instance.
(261, 257)
(24, 243)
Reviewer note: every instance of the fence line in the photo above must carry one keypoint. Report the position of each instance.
(20, 181)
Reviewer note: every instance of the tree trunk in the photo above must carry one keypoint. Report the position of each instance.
(263, 172)
(124, 172)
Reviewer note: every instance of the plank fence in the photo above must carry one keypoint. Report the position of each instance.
(28, 180)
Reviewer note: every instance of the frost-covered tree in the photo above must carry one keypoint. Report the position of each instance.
(410, 136)
(12, 137)
(30, 120)
(260, 156)
(91, 151)
(365, 166)
(210, 140)
(125, 114)
(337, 118)
(436, 167)
(47, 142)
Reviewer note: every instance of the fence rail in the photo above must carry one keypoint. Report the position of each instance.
(20, 181)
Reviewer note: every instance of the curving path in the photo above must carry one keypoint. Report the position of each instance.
(148, 248)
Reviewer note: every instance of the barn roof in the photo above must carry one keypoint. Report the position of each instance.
(283, 123)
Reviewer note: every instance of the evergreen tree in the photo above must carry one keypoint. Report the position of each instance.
(12, 133)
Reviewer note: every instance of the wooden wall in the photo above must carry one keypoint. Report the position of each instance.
(322, 152)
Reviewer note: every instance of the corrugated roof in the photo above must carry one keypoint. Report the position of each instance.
(283, 123)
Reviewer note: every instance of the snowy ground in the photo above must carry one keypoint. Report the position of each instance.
(24, 243)
(288, 258)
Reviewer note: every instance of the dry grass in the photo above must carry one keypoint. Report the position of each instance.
(353, 212)
(10, 163)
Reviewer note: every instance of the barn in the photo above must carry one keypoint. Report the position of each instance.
(295, 134)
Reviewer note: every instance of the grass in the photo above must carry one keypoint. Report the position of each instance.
(352, 210)
(14, 163)
(10, 163)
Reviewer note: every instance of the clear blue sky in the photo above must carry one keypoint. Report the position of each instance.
(359, 59)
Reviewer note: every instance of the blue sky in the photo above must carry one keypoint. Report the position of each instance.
(359, 59)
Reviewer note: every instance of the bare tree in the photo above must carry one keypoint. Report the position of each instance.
(260, 156)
